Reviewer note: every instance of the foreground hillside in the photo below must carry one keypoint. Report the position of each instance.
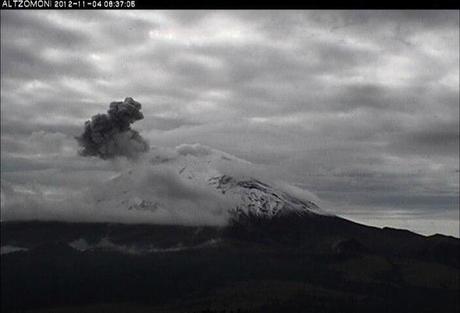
(287, 264)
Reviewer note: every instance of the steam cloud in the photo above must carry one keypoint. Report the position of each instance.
(164, 186)
(110, 135)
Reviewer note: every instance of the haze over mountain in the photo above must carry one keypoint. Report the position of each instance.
(358, 107)
(190, 184)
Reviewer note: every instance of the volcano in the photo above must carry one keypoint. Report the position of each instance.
(201, 174)
(275, 251)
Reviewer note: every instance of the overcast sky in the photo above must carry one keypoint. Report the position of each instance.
(361, 108)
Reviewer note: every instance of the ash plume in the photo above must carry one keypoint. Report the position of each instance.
(110, 135)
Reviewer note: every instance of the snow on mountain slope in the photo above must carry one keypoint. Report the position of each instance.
(261, 199)
(196, 176)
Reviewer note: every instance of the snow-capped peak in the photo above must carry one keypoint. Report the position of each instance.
(195, 180)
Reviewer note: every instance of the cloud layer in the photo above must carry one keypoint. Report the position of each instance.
(360, 107)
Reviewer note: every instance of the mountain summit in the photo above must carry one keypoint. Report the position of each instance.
(196, 176)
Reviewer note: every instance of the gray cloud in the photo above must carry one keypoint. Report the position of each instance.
(39, 30)
(436, 138)
(360, 107)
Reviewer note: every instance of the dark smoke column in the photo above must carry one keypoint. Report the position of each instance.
(110, 135)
